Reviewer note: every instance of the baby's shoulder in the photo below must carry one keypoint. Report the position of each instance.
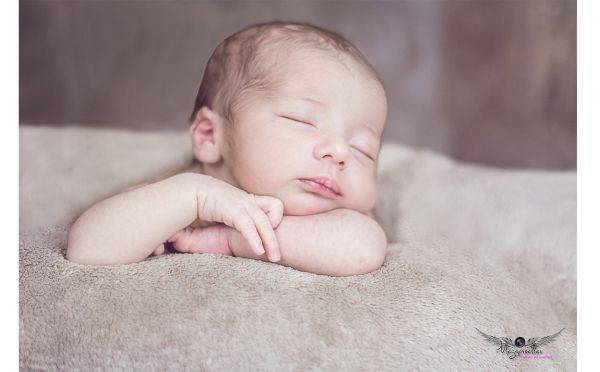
(195, 167)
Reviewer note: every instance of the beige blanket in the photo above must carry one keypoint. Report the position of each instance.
(470, 247)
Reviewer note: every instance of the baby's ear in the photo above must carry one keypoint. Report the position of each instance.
(205, 132)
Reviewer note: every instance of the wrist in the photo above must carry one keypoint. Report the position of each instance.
(194, 185)
(188, 182)
(201, 185)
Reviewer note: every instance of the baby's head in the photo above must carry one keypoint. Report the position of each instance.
(285, 108)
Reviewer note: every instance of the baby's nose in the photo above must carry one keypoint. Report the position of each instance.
(340, 163)
(335, 151)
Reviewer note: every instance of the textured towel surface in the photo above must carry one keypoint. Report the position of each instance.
(469, 247)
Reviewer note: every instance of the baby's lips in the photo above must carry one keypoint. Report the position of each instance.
(328, 182)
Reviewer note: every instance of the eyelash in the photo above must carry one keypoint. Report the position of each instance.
(297, 120)
(307, 123)
(363, 153)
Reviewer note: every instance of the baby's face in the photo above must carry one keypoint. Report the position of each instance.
(314, 144)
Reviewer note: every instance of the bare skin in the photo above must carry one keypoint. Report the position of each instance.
(292, 182)
(340, 242)
(215, 238)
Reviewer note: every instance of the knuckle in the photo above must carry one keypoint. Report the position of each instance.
(250, 198)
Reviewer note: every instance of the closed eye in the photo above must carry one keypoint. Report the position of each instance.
(297, 120)
(364, 153)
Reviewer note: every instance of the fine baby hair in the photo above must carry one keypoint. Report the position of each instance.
(251, 61)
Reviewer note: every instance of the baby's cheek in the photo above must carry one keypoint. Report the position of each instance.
(362, 198)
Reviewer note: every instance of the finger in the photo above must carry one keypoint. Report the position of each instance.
(181, 240)
(178, 234)
(182, 244)
(194, 242)
(159, 250)
(245, 225)
(273, 207)
(266, 233)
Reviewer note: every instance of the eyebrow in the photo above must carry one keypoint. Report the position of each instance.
(311, 100)
(373, 131)
(376, 136)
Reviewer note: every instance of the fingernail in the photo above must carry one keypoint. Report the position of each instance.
(275, 258)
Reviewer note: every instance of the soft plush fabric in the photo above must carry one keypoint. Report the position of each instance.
(470, 247)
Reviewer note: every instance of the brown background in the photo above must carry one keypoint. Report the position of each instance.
(491, 82)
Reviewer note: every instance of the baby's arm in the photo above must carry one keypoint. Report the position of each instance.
(129, 226)
(126, 228)
(340, 242)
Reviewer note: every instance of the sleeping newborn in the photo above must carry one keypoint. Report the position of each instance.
(286, 130)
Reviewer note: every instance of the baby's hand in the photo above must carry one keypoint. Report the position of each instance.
(212, 239)
(254, 216)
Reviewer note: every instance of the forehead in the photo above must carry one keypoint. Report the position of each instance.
(340, 82)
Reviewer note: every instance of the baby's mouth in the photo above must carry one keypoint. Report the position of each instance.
(325, 187)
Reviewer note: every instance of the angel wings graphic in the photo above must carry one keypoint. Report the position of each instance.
(506, 343)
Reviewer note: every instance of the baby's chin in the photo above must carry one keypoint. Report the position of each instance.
(307, 204)
(304, 210)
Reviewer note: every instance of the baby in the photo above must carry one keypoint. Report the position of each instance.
(286, 131)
